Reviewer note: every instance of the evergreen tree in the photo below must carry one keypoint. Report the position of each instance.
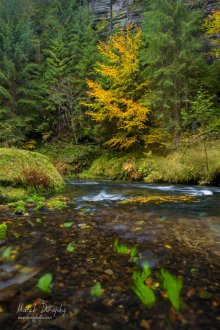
(20, 88)
(170, 58)
(83, 50)
(69, 58)
(56, 68)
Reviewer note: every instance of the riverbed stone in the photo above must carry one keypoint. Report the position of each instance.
(109, 272)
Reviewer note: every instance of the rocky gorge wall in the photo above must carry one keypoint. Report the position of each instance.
(119, 11)
(123, 11)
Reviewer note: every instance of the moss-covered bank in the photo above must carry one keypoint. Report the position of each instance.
(196, 164)
(70, 158)
(21, 170)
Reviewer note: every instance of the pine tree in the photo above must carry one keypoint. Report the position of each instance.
(69, 58)
(19, 78)
(83, 51)
(171, 58)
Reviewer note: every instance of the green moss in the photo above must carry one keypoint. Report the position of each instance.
(187, 165)
(70, 158)
(106, 166)
(21, 168)
(3, 231)
(11, 194)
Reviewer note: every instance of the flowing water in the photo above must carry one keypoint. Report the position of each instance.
(176, 228)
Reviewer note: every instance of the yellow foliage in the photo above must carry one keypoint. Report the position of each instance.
(158, 199)
(212, 25)
(30, 145)
(157, 136)
(115, 96)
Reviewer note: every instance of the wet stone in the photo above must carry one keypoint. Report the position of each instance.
(109, 272)
(117, 289)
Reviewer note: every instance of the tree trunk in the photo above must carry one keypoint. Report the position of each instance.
(176, 119)
(127, 11)
(111, 17)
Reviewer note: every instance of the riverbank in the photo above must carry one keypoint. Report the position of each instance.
(191, 164)
(22, 170)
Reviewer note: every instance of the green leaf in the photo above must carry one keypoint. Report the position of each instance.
(133, 252)
(96, 290)
(193, 270)
(45, 283)
(70, 248)
(68, 224)
(7, 252)
(144, 293)
(173, 286)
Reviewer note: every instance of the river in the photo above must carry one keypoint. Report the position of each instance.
(173, 227)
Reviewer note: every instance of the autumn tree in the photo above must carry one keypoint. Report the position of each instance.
(118, 95)
(212, 25)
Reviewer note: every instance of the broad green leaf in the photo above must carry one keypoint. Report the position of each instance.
(45, 283)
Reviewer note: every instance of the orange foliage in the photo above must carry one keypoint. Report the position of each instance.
(118, 96)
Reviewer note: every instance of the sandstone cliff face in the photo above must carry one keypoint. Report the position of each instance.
(123, 11)
(119, 11)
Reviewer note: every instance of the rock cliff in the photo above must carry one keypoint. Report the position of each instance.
(123, 11)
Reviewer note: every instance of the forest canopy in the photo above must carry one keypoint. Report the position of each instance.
(64, 74)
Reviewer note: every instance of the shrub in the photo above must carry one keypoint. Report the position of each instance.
(71, 158)
(34, 178)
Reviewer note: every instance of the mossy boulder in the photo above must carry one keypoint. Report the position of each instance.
(21, 168)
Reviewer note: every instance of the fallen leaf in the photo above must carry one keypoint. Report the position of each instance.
(28, 307)
(70, 248)
(85, 227)
(149, 282)
(203, 294)
(146, 324)
(67, 224)
(137, 229)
